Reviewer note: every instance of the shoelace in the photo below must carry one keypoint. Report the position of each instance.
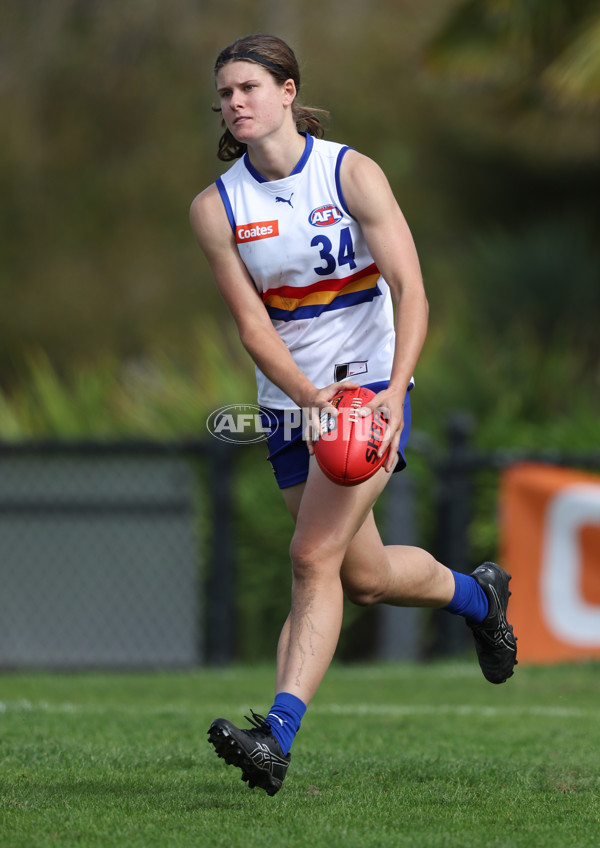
(257, 721)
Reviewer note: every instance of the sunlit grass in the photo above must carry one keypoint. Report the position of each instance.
(388, 755)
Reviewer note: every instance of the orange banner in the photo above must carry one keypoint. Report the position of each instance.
(550, 538)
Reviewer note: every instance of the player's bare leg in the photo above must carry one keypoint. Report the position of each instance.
(311, 634)
(409, 576)
(401, 575)
(376, 573)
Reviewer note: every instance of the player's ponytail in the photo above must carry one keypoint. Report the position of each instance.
(279, 60)
(307, 120)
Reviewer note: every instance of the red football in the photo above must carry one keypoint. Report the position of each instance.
(347, 448)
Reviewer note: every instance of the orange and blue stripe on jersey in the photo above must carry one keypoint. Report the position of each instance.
(292, 303)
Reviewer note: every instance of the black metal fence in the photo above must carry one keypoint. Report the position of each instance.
(122, 554)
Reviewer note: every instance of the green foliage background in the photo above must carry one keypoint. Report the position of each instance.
(485, 117)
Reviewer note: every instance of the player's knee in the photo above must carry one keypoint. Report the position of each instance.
(305, 559)
(314, 559)
(362, 592)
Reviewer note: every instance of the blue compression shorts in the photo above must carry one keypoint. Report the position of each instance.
(288, 453)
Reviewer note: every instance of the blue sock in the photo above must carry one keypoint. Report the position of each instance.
(284, 719)
(469, 598)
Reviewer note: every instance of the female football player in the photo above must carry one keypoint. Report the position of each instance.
(314, 258)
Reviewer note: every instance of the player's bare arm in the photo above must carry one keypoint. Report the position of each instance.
(371, 201)
(211, 228)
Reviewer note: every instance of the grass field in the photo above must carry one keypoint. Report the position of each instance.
(391, 755)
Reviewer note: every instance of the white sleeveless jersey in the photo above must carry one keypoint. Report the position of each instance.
(310, 263)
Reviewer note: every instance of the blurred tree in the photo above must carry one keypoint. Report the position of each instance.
(548, 45)
(101, 154)
(539, 61)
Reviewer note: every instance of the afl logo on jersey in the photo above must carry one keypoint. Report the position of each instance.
(325, 216)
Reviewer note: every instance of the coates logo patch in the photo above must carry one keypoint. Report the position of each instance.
(325, 216)
(254, 232)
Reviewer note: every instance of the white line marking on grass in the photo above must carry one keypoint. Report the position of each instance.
(25, 706)
(358, 710)
(400, 710)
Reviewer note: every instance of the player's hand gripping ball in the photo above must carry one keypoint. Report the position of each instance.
(346, 449)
